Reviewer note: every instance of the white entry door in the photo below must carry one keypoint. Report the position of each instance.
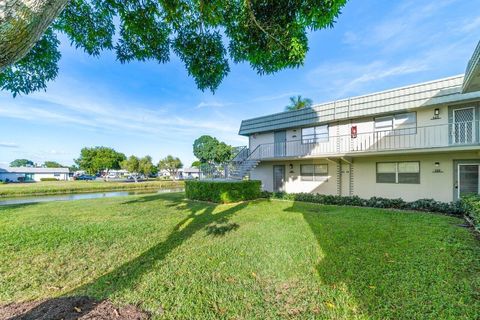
(468, 179)
(464, 126)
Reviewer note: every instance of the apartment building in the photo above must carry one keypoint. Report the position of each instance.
(418, 141)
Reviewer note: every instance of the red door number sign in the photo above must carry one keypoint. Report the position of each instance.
(353, 132)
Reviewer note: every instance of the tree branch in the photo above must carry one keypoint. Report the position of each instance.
(255, 21)
(22, 24)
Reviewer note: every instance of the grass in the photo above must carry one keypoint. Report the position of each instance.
(65, 187)
(259, 260)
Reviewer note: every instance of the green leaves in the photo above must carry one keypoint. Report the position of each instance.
(264, 33)
(88, 26)
(209, 150)
(204, 57)
(132, 164)
(297, 103)
(33, 71)
(96, 159)
(205, 34)
(171, 164)
(21, 163)
(143, 34)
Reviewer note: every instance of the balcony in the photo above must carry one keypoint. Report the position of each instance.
(454, 135)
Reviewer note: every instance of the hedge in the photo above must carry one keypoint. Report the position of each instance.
(223, 191)
(428, 205)
(471, 206)
(48, 179)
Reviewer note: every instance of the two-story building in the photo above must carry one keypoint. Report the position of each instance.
(418, 141)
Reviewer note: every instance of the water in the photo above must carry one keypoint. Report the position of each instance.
(81, 196)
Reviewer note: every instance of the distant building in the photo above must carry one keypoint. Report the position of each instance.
(29, 174)
(191, 173)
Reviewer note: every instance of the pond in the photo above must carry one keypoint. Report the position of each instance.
(81, 196)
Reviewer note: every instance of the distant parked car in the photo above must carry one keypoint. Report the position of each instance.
(140, 177)
(111, 176)
(85, 177)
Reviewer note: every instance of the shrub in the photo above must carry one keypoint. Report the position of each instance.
(223, 191)
(471, 207)
(48, 179)
(429, 205)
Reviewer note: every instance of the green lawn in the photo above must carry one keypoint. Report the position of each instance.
(63, 187)
(263, 260)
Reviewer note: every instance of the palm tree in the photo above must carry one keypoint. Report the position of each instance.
(297, 103)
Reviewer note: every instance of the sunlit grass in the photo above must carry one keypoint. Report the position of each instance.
(259, 260)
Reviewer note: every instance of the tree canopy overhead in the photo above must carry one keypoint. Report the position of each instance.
(205, 34)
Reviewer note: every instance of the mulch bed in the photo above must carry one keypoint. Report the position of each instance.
(70, 308)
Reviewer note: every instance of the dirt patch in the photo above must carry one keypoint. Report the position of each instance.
(70, 308)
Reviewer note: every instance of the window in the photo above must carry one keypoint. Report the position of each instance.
(313, 172)
(384, 123)
(404, 123)
(409, 172)
(56, 174)
(315, 134)
(387, 172)
(398, 172)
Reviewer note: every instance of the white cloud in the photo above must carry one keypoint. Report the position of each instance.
(79, 108)
(406, 42)
(212, 104)
(409, 23)
(471, 26)
(8, 145)
(351, 78)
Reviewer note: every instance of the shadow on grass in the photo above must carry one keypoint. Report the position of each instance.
(220, 229)
(385, 267)
(201, 216)
(17, 206)
(173, 198)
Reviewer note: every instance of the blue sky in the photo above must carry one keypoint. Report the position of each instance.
(147, 108)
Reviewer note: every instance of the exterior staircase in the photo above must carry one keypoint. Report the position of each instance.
(242, 164)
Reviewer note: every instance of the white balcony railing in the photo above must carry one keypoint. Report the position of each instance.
(436, 136)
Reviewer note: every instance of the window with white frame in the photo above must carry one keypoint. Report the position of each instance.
(315, 134)
(313, 172)
(403, 123)
(398, 172)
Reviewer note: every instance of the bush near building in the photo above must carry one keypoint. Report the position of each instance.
(48, 179)
(223, 191)
(471, 206)
(427, 205)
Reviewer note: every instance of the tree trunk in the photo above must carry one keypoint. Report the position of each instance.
(22, 24)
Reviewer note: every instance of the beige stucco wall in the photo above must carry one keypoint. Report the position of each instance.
(437, 185)
(260, 138)
(293, 182)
